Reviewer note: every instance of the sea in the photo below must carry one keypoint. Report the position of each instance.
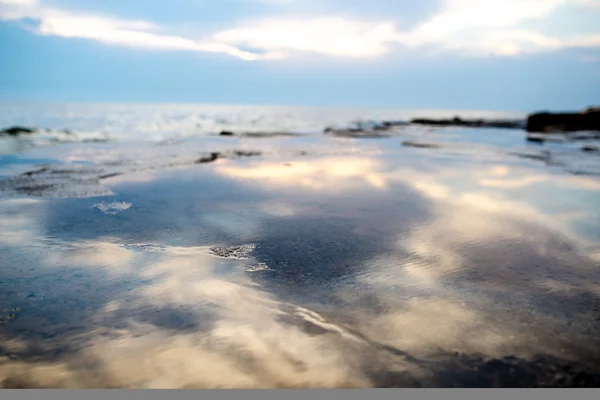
(141, 248)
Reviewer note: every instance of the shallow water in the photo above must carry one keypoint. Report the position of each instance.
(307, 261)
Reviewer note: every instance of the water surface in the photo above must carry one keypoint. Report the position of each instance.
(307, 261)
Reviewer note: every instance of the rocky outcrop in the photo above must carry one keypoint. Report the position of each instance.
(16, 131)
(474, 123)
(546, 122)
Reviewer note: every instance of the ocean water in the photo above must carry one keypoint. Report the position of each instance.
(143, 250)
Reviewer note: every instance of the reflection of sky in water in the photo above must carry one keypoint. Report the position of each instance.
(383, 261)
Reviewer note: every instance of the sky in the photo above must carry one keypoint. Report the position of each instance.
(514, 55)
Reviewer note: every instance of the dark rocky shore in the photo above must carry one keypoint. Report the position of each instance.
(538, 125)
(546, 122)
(476, 123)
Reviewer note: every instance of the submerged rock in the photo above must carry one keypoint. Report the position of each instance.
(17, 130)
(357, 133)
(110, 175)
(257, 267)
(210, 158)
(408, 143)
(258, 134)
(365, 129)
(242, 252)
(535, 139)
(585, 120)
(594, 149)
(235, 154)
(144, 248)
(390, 124)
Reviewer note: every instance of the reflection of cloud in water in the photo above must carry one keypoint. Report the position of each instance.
(246, 346)
(187, 319)
(328, 173)
(516, 183)
(423, 325)
(244, 337)
(18, 221)
(93, 253)
(279, 208)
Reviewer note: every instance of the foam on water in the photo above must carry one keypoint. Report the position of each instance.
(159, 122)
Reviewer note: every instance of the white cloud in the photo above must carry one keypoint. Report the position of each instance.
(18, 2)
(494, 26)
(475, 27)
(331, 36)
(133, 33)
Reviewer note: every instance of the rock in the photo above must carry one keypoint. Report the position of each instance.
(210, 158)
(408, 143)
(591, 148)
(394, 123)
(258, 134)
(365, 129)
(546, 122)
(357, 133)
(267, 134)
(257, 267)
(37, 171)
(216, 155)
(144, 248)
(242, 252)
(110, 175)
(240, 153)
(536, 139)
(16, 131)
(544, 156)
(478, 123)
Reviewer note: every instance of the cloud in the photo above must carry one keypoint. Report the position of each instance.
(493, 26)
(332, 36)
(472, 27)
(346, 172)
(132, 33)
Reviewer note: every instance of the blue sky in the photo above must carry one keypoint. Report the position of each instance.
(517, 55)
